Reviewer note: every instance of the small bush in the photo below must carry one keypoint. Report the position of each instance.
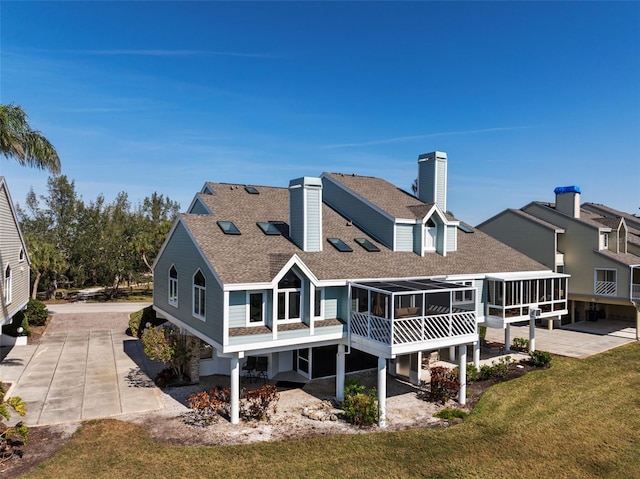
(445, 384)
(36, 313)
(139, 319)
(540, 359)
(451, 414)
(360, 408)
(497, 369)
(19, 320)
(472, 373)
(520, 344)
(257, 404)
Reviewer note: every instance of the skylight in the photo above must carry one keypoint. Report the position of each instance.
(228, 228)
(465, 228)
(339, 245)
(268, 228)
(366, 244)
(251, 190)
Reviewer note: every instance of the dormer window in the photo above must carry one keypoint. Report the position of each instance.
(430, 235)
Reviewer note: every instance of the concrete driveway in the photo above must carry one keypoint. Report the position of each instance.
(85, 367)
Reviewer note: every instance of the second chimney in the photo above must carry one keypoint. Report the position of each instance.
(568, 200)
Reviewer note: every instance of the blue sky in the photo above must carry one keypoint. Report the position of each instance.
(163, 96)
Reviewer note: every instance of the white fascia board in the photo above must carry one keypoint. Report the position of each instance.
(172, 319)
(464, 277)
(356, 195)
(287, 344)
(512, 276)
(295, 260)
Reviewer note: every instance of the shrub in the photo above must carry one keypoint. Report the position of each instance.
(256, 404)
(11, 437)
(486, 372)
(451, 414)
(445, 384)
(36, 313)
(168, 346)
(19, 320)
(360, 408)
(497, 369)
(142, 317)
(520, 344)
(482, 332)
(540, 359)
(472, 373)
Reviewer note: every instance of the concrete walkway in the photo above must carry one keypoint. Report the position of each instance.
(576, 340)
(85, 367)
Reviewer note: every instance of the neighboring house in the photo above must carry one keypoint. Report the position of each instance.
(14, 263)
(597, 245)
(340, 273)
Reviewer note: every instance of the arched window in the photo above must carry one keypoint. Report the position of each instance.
(173, 286)
(199, 295)
(289, 295)
(21, 257)
(7, 285)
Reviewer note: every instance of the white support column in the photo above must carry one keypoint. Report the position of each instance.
(507, 338)
(532, 334)
(550, 324)
(637, 321)
(452, 353)
(476, 354)
(340, 372)
(462, 366)
(382, 391)
(235, 389)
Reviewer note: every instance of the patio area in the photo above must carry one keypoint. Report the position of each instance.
(577, 340)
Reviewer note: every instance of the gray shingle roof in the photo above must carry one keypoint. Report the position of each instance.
(256, 257)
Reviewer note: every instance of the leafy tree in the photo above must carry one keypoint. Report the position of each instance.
(21, 142)
(167, 345)
(46, 259)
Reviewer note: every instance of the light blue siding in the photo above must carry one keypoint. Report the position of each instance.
(296, 216)
(374, 223)
(182, 253)
(237, 309)
(404, 237)
(331, 302)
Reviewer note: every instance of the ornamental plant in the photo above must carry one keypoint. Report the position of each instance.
(167, 345)
(11, 437)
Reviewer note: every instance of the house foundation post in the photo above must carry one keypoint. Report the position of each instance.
(193, 343)
(382, 392)
(452, 353)
(637, 321)
(476, 354)
(532, 334)
(507, 338)
(462, 368)
(235, 389)
(340, 372)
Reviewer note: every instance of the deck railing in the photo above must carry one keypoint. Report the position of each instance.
(635, 292)
(412, 330)
(606, 288)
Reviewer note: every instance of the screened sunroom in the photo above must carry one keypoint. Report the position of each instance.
(404, 316)
(513, 297)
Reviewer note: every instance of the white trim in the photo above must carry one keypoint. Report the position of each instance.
(203, 291)
(172, 300)
(8, 285)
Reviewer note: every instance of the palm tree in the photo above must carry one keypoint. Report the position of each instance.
(26, 145)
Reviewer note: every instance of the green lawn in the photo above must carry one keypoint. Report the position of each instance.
(579, 419)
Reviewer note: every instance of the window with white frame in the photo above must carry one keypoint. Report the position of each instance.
(289, 297)
(317, 303)
(256, 308)
(605, 241)
(173, 286)
(199, 295)
(7, 285)
(464, 296)
(430, 235)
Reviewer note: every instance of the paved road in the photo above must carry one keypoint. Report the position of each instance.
(85, 367)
